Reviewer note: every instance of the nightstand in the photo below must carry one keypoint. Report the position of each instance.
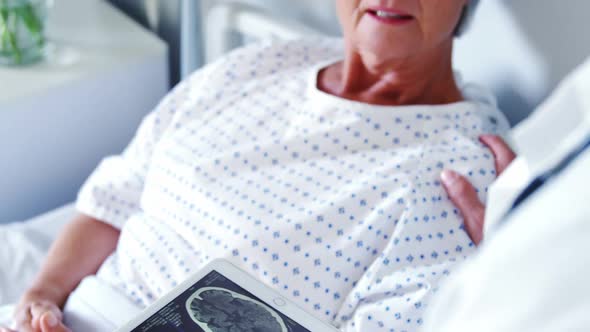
(60, 117)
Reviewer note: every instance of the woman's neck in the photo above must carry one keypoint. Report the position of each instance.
(425, 79)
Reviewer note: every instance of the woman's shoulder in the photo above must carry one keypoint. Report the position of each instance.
(486, 104)
(269, 57)
(314, 48)
(254, 66)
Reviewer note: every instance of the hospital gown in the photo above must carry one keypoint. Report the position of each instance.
(335, 204)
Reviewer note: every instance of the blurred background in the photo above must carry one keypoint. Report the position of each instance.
(556, 29)
(120, 60)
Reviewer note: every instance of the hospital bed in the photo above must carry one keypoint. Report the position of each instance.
(517, 77)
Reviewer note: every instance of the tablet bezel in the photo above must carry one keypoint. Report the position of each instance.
(245, 281)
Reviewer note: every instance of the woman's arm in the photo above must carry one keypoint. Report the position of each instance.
(79, 251)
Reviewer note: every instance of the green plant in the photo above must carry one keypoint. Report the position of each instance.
(21, 28)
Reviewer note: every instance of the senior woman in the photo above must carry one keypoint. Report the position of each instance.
(312, 166)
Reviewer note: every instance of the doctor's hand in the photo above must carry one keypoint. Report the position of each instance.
(463, 194)
(36, 314)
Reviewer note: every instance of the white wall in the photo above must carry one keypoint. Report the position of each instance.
(559, 29)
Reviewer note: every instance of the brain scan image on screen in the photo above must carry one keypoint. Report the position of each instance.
(217, 309)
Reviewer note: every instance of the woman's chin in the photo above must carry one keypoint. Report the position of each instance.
(377, 57)
(386, 44)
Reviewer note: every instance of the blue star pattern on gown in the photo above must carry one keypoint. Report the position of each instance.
(335, 203)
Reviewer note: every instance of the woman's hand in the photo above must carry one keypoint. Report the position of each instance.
(36, 312)
(463, 194)
(79, 251)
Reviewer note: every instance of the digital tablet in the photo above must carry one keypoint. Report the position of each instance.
(221, 297)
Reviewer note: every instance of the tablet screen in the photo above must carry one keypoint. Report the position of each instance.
(216, 304)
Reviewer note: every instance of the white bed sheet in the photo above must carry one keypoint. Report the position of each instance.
(24, 246)
(93, 307)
